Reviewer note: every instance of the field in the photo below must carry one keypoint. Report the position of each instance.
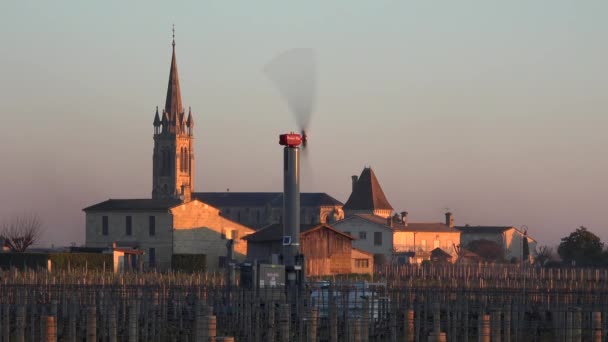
(413, 303)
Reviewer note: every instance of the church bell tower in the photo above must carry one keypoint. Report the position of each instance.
(173, 157)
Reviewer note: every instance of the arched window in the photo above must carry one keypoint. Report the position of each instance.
(181, 159)
(186, 160)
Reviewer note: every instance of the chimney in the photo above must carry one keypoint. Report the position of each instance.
(449, 219)
(404, 218)
(355, 179)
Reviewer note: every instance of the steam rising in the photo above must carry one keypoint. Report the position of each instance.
(294, 74)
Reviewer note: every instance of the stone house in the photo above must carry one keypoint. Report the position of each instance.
(509, 237)
(162, 228)
(389, 236)
(371, 233)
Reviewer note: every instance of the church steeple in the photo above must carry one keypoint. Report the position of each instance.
(173, 158)
(173, 103)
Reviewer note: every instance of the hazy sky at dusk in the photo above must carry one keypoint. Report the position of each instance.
(497, 111)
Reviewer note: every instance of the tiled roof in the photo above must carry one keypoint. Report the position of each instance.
(367, 193)
(133, 205)
(483, 229)
(261, 199)
(411, 227)
(274, 232)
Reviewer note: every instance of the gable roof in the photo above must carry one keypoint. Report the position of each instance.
(274, 232)
(262, 199)
(411, 227)
(143, 204)
(367, 193)
(440, 253)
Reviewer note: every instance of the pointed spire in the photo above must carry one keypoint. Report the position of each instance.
(173, 104)
(190, 121)
(156, 118)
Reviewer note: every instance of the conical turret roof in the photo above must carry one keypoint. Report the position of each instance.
(157, 121)
(367, 193)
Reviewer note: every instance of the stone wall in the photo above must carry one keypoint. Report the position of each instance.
(199, 229)
(140, 233)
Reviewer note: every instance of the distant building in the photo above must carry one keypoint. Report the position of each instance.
(510, 238)
(172, 221)
(326, 250)
(370, 220)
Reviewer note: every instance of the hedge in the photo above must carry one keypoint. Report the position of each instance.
(189, 262)
(59, 261)
(23, 260)
(92, 261)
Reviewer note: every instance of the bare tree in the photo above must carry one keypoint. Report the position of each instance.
(20, 231)
(543, 254)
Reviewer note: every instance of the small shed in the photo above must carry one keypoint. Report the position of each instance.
(362, 262)
(438, 255)
(326, 250)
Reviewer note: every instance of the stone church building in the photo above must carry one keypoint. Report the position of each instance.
(172, 221)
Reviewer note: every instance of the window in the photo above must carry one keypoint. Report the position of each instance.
(152, 226)
(104, 225)
(435, 244)
(362, 235)
(361, 263)
(128, 225)
(423, 245)
(377, 238)
(152, 256)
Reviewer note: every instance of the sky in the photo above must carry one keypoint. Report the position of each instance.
(495, 110)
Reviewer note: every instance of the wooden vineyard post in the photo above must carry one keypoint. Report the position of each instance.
(436, 335)
(6, 329)
(365, 321)
(20, 323)
(50, 334)
(577, 332)
(596, 326)
(112, 324)
(496, 324)
(484, 331)
(507, 322)
(284, 316)
(409, 325)
(132, 322)
(312, 325)
(210, 331)
(92, 324)
(271, 323)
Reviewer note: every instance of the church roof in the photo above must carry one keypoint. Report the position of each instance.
(143, 204)
(261, 199)
(173, 104)
(367, 193)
